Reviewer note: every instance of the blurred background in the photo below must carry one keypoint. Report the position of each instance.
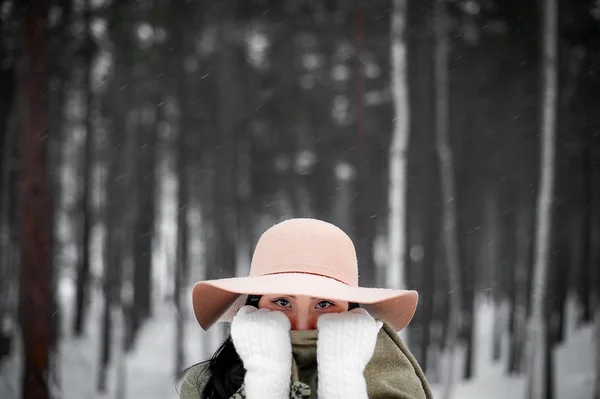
(147, 144)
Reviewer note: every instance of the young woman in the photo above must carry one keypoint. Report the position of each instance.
(301, 327)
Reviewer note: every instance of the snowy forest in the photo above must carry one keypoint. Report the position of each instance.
(147, 144)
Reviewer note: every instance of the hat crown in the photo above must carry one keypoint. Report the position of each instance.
(306, 246)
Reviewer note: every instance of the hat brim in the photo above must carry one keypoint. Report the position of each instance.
(219, 300)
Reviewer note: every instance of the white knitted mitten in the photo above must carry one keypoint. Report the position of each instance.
(345, 344)
(262, 339)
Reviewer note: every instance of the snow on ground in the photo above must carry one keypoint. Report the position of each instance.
(150, 372)
(573, 373)
(9, 377)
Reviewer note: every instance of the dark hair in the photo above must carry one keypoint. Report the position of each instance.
(225, 368)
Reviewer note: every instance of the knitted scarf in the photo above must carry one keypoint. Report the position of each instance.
(392, 372)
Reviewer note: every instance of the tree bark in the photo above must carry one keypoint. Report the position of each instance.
(183, 187)
(83, 271)
(144, 229)
(597, 357)
(470, 317)
(595, 256)
(593, 144)
(130, 212)
(585, 269)
(560, 265)
(144, 223)
(7, 266)
(113, 108)
(228, 87)
(495, 234)
(364, 201)
(398, 160)
(422, 223)
(519, 313)
(113, 248)
(182, 261)
(428, 286)
(7, 94)
(448, 186)
(36, 291)
(13, 253)
(538, 362)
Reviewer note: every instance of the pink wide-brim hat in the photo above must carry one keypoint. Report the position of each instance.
(302, 257)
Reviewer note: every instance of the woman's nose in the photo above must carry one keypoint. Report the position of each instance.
(304, 322)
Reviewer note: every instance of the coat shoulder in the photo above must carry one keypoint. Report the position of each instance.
(406, 374)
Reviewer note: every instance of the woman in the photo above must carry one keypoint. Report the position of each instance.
(301, 318)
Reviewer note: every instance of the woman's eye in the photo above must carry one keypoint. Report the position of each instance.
(324, 304)
(284, 303)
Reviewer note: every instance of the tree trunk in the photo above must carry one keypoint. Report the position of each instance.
(398, 161)
(147, 129)
(12, 208)
(245, 219)
(585, 270)
(228, 86)
(471, 240)
(422, 223)
(7, 266)
(364, 225)
(511, 270)
(428, 263)
(538, 361)
(113, 255)
(105, 340)
(58, 75)
(113, 219)
(560, 265)
(448, 186)
(183, 192)
(182, 261)
(549, 371)
(7, 95)
(83, 271)
(36, 296)
(130, 215)
(144, 223)
(594, 176)
(593, 144)
(519, 313)
(470, 319)
(597, 358)
(120, 341)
